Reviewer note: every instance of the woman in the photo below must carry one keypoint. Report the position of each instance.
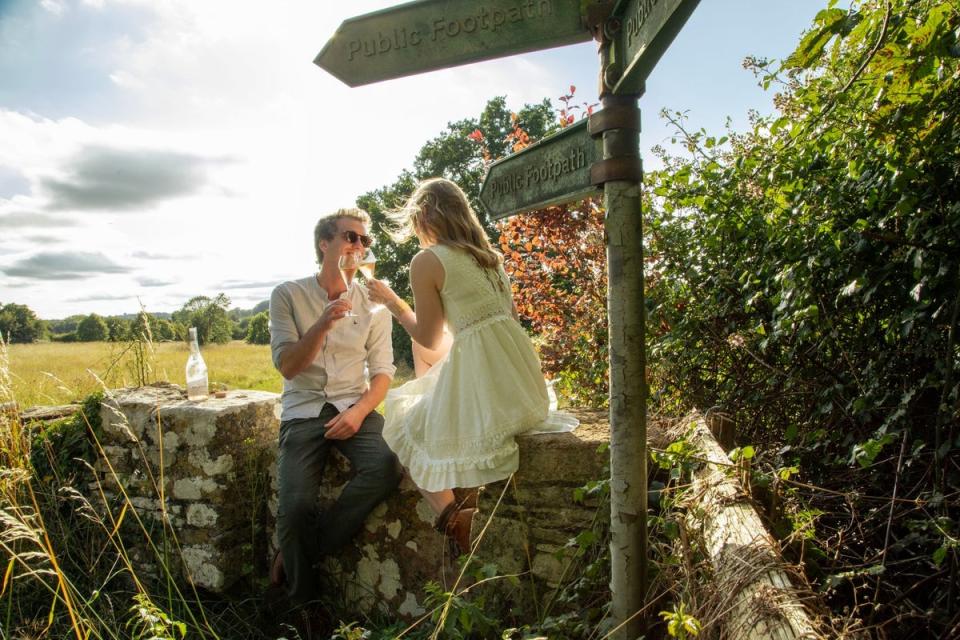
(455, 426)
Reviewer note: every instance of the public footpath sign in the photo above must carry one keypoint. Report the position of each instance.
(553, 171)
(647, 27)
(434, 34)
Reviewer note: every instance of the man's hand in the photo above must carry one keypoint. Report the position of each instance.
(333, 312)
(345, 424)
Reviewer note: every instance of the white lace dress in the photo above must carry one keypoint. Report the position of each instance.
(455, 426)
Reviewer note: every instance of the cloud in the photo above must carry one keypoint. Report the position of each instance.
(64, 265)
(115, 179)
(154, 282)
(247, 284)
(56, 7)
(148, 255)
(20, 219)
(106, 296)
(43, 239)
(12, 183)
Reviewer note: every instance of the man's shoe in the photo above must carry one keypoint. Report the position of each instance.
(278, 577)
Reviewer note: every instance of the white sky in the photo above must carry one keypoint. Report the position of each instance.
(162, 149)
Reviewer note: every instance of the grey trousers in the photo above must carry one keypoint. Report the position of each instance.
(306, 534)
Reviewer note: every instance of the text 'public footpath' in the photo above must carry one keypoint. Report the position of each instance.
(551, 169)
(481, 19)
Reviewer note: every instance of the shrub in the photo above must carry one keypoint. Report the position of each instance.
(258, 329)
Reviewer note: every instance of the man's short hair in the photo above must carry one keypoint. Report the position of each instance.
(327, 226)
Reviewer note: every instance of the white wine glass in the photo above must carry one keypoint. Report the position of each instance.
(349, 262)
(368, 264)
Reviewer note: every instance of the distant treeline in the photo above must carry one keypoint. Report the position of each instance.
(215, 323)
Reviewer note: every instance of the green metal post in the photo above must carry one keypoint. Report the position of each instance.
(628, 388)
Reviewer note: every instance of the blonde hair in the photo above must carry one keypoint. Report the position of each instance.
(438, 209)
(327, 226)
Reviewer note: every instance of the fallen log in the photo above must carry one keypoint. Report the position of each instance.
(751, 594)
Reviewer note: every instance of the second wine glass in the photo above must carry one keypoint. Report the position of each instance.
(367, 265)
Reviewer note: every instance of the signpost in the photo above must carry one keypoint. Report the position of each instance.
(435, 34)
(568, 166)
(647, 27)
(556, 170)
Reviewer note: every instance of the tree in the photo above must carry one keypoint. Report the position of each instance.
(149, 327)
(118, 329)
(209, 316)
(455, 155)
(163, 329)
(556, 260)
(65, 326)
(93, 328)
(258, 330)
(18, 324)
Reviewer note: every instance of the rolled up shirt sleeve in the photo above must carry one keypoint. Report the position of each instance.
(380, 344)
(283, 328)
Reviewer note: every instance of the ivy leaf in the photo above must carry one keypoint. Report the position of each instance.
(832, 22)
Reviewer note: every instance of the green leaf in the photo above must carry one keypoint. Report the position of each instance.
(831, 23)
(790, 434)
(940, 555)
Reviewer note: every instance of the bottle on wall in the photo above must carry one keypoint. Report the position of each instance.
(197, 387)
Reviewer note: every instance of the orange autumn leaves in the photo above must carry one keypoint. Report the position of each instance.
(556, 259)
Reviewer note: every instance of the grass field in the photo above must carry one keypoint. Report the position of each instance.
(58, 373)
(49, 373)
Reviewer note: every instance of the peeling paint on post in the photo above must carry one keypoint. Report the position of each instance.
(628, 396)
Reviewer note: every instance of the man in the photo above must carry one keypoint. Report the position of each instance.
(325, 358)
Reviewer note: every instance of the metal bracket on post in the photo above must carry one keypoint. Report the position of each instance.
(621, 157)
(616, 116)
(598, 18)
(616, 169)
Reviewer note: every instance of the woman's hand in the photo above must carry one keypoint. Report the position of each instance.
(381, 293)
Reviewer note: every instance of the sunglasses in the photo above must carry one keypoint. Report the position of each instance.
(352, 237)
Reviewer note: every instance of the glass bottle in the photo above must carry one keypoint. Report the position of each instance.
(197, 388)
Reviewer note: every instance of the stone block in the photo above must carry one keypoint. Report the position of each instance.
(215, 457)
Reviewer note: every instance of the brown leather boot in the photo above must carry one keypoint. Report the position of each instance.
(456, 523)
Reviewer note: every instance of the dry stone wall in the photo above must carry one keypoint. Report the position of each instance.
(208, 470)
(200, 467)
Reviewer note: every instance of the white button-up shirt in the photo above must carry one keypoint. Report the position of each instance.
(355, 350)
